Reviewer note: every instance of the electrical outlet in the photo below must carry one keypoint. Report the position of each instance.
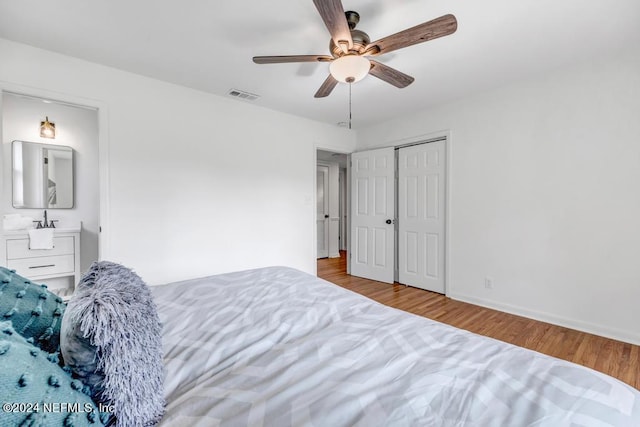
(488, 283)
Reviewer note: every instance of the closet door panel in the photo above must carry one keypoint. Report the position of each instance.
(421, 225)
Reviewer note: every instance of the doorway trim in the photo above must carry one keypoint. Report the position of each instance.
(103, 148)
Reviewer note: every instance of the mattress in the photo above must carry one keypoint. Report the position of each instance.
(279, 347)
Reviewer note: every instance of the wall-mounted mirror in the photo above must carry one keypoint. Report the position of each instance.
(42, 175)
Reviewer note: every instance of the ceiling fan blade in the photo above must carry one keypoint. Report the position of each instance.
(326, 87)
(426, 31)
(390, 75)
(291, 58)
(332, 14)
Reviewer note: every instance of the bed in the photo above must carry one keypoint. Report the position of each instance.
(279, 347)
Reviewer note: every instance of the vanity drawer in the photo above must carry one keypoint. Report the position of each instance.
(35, 267)
(19, 248)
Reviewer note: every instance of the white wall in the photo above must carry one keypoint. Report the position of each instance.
(545, 195)
(76, 128)
(197, 184)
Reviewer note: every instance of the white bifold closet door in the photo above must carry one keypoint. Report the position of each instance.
(421, 216)
(372, 214)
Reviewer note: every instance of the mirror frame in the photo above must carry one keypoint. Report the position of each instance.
(14, 171)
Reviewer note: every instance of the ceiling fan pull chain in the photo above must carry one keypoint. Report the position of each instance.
(349, 105)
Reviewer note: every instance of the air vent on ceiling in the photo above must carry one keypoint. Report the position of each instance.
(243, 95)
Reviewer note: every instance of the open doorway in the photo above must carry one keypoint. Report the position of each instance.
(331, 202)
(77, 209)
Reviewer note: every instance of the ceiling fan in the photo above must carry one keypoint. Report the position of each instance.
(350, 48)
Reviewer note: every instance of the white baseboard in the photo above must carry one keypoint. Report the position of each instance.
(630, 337)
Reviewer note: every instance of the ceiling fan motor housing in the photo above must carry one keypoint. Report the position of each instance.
(360, 41)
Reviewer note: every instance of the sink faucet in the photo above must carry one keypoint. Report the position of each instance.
(47, 223)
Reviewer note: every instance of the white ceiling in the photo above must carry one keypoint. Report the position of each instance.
(208, 45)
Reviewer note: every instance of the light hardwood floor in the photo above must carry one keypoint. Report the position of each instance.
(615, 358)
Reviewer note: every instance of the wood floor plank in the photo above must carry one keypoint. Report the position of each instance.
(615, 358)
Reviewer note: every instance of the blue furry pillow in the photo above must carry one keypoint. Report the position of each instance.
(110, 339)
(35, 391)
(33, 311)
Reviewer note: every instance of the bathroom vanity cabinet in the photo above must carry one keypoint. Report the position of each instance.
(45, 265)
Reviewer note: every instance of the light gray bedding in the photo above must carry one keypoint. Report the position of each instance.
(278, 347)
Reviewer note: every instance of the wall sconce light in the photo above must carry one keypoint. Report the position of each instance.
(47, 129)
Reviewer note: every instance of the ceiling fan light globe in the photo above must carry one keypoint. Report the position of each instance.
(349, 68)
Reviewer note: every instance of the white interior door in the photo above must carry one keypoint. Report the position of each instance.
(421, 214)
(322, 213)
(372, 214)
(342, 209)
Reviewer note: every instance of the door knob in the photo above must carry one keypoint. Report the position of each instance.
(326, 216)
(388, 221)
